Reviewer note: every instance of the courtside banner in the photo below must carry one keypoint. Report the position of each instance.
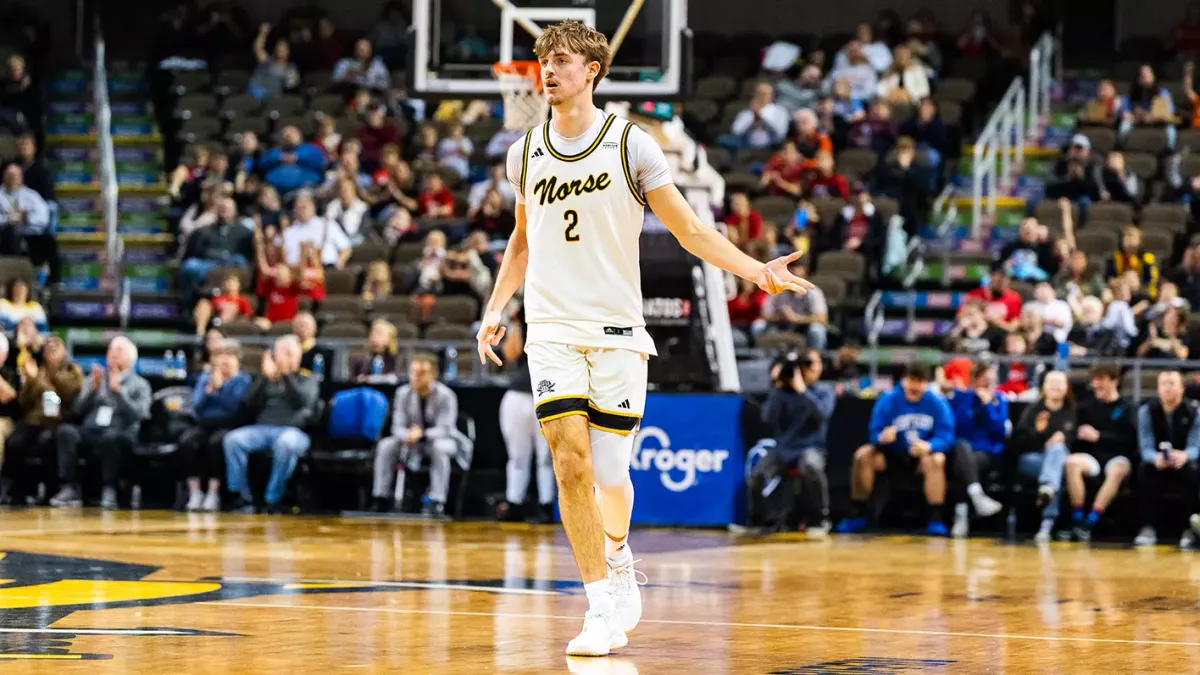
(687, 463)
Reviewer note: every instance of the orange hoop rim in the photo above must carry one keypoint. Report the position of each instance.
(530, 70)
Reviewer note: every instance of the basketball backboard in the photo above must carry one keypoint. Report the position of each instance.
(456, 42)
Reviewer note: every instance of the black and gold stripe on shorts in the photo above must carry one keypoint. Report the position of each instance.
(625, 165)
(557, 407)
(575, 158)
(612, 421)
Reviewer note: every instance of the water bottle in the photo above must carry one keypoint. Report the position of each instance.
(1010, 525)
(451, 363)
(169, 365)
(1062, 358)
(181, 365)
(319, 367)
(377, 365)
(51, 404)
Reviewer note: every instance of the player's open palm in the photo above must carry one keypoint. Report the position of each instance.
(489, 335)
(775, 277)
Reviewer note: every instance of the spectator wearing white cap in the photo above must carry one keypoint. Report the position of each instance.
(1076, 173)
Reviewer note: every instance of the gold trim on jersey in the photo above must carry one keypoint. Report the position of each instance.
(575, 158)
(625, 164)
(525, 159)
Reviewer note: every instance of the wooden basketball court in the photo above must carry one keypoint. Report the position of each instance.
(156, 592)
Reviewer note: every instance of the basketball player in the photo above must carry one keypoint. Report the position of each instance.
(582, 181)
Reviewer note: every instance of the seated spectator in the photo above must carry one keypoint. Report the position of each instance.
(215, 171)
(877, 52)
(1105, 436)
(857, 70)
(304, 327)
(762, 124)
(202, 213)
(280, 404)
(1076, 175)
(1124, 309)
(37, 175)
(227, 307)
(498, 182)
(792, 311)
(46, 397)
(246, 157)
(455, 150)
(972, 334)
(1014, 378)
(217, 400)
(1168, 297)
(294, 165)
(923, 44)
(1056, 315)
(377, 283)
(1187, 275)
(378, 133)
(425, 152)
(900, 177)
(275, 74)
(1168, 341)
(437, 201)
(860, 227)
(803, 92)
(478, 246)
(322, 51)
(810, 141)
(20, 98)
(426, 271)
(905, 80)
(846, 109)
(225, 243)
(464, 274)
(111, 408)
(327, 137)
(1030, 257)
(1131, 257)
(746, 307)
(379, 364)
(347, 168)
(334, 247)
(25, 216)
(348, 213)
(1107, 109)
(1002, 305)
(911, 430)
(364, 70)
(1089, 336)
(783, 173)
(1041, 435)
(977, 41)
(28, 344)
(928, 130)
(980, 434)
(743, 220)
(1169, 444)
(877, 131)
(494, 218)
(1150, 104)
(1073, 282)
(394, 183)
(16, 305)
(823, 180)
(390, 35)
(281, 291)
(1120, 185)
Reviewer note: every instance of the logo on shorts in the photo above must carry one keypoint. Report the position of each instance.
(624, 404)
(614, 330)
(545, 387)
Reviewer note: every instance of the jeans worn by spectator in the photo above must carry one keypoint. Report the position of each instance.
(286, 445)
(1048, 468)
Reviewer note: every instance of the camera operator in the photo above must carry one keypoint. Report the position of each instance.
(797, 413)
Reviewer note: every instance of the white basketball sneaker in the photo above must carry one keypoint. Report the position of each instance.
(600, 635)
(624, 584)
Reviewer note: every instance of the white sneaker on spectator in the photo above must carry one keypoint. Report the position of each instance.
(820, 530)
(1146, 537)
(985, 506)
(212, 502)
(1188, 541)
(67, 496)
(962, 525)
(1045, 531)
(108, 498)
(627, 597)
(600, 635)
(195, 501)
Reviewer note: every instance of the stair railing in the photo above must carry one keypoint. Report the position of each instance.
(1002, 137)
(108, 173)
(1044, 60)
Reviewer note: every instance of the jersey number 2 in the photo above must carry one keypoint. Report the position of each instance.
(572, 218)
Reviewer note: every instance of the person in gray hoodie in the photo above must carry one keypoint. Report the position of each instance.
(110, 409)
(424, 423)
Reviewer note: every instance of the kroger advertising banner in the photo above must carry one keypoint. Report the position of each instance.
(687, 465)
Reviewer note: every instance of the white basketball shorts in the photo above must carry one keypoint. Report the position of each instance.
(608, 386)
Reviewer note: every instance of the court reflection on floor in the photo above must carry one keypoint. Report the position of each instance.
(162, 592)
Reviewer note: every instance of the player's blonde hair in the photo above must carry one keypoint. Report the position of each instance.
(574, 37)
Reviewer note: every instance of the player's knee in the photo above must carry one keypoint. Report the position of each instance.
(610, 458)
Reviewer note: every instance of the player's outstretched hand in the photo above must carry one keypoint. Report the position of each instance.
(774, 276)
(489, 335)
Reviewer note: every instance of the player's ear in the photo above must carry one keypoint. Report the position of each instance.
(593, 71)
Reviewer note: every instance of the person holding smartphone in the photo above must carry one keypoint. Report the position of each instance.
(1169, 441)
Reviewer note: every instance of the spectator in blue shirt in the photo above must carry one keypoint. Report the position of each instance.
(294, 164)
(911, 429)
(217, 401)
(981, 430)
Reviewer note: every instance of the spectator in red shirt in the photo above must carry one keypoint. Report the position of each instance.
(808, 137)
(230, 305)
(375, 134)
(784, 172)
(436, 201)
(745, 221)
(281, 293)
(824, 180)
(746, 307)
(1013, 377)
(1002, 305)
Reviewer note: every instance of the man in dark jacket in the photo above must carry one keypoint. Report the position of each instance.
(859, 227)
(114, 402)
(1169, 442)
(217, 401)
(280, 401)
(797, 415)
(224, 243)
(1105, 435)
(1076, 173)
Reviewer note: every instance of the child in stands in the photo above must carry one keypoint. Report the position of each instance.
(229, 306)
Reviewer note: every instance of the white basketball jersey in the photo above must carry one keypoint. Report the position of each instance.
(583, 220)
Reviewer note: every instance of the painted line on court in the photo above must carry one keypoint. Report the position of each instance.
(100, 631)
(428, 585)
(718, 624)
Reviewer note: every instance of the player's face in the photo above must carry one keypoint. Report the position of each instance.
(564, 76)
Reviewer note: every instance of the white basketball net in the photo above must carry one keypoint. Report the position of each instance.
(524, 108)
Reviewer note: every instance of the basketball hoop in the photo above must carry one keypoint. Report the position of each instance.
(521, 87)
